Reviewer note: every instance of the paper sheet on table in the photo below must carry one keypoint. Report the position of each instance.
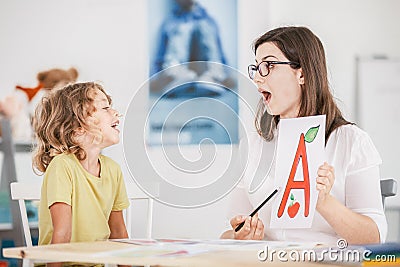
(181, 247)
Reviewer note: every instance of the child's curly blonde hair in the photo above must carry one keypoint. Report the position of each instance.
(57, 118)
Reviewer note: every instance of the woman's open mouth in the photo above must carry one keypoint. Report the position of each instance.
(266, 96)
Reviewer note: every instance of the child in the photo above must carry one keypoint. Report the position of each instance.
(83, 191)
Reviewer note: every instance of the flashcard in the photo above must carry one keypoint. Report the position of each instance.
(300, 152)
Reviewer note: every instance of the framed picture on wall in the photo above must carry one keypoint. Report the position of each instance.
(193, 52)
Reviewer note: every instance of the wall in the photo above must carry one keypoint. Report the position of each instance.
(106, 41)
(347, 29)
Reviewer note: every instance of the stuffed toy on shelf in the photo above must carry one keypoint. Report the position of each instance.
(19, 106)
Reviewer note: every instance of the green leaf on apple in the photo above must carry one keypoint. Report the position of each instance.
(311, 134)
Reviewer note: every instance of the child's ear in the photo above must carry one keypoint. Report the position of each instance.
(79, 132)
(79, 135)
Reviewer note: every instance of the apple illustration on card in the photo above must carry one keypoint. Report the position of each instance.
(300, 152)
(293, 207)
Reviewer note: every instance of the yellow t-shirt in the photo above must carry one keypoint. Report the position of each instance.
(92, 198)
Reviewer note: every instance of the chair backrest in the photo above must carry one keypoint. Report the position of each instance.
(388, 188)
(22, 192)
(135, 193)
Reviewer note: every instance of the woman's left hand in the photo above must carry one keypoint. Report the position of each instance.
(325, 180)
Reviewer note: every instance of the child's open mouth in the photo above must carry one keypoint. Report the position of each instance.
(115, 125)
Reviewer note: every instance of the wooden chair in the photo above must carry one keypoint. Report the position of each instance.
(31, 191)
(388, 189)
(22, 192)
(134, 193)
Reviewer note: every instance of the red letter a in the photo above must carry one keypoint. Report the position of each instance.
(292, 184)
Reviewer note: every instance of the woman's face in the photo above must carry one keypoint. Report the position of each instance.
(280, 89)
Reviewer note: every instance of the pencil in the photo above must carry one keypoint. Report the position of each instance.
(257, 209)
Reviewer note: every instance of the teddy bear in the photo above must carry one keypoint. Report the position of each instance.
(47, 80)
(19, 106)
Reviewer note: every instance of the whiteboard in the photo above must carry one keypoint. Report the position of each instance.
(378, 111)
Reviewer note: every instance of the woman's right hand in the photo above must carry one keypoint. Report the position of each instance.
(253, 227)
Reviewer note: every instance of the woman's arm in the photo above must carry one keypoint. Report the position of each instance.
(354, 227)
(117, 225)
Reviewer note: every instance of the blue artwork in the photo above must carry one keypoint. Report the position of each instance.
(191, 62)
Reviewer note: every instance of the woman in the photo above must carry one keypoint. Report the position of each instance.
(291, 76)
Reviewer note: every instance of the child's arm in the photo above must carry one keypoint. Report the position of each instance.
(117, 225)
(61, 216)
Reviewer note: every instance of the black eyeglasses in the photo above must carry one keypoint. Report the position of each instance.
(265, 66)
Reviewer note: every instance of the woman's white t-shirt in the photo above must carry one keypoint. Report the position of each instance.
(357, 184)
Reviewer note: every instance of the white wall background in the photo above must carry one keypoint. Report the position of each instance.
(106, 41)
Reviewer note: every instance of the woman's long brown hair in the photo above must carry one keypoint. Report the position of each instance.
(300, 45)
